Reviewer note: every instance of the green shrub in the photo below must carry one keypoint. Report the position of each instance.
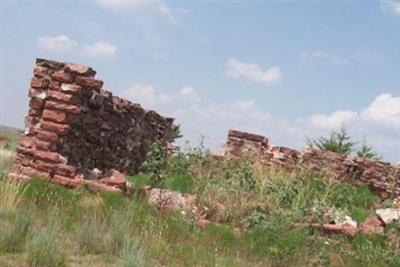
(90, 233)
(45, 249)
(113, 200)
(11, 194)
(180, 182)
(43, 192)
(131, 255)
(140, 180)
(155, 164)
(13, 231)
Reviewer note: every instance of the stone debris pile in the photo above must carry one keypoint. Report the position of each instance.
(381, 177)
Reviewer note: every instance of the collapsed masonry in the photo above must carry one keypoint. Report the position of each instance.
(381, 177)
(76, 131)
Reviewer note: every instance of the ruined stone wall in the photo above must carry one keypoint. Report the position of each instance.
(74, 126)
(381, 177)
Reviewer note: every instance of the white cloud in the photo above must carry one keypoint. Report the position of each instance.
(60, 43)
(322, 55)
(99, 49)
(393, 6)
(384, 110)
(379, 122)
(332, 121)
(146, 95)
(159, 8)
(237, 69)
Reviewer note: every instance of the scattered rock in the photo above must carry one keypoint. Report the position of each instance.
(115, 178)
(372, 225)
(388, 215)
(202, 223)
(341, 219)
(167, 200)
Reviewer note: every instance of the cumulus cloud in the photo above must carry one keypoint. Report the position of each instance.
(237, 69)
(393, 6)
(60, 43)
(379, 121)
(322, 55)
(384, 110)
(99, 49)
(331, 121)
(159, 8)
(64, 44)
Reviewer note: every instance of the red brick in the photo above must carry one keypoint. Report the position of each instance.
(46, 146)
(89, 82)
(80, 69)
(62, 76)
(24, 150)
(31, 172)
(58, 96)
(34, 112)
(66, 181)
(36, 103)
(55, 116)
(41, 165)
(55, 127)
(27, 141)
(37, 93)
(47, 156)
(64, 169)
(40, 72)
(54, 85)
(39, 83)
(62, 107)
(47, 136)
(70, 88)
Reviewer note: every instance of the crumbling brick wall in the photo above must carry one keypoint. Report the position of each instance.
(381, 177)
(74, 126)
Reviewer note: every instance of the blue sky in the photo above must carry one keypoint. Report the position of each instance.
(287, 69)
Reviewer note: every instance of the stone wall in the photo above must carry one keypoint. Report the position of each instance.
(77, 130)
(381, 177)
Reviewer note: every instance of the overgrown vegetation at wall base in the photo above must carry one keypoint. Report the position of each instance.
(252, 209)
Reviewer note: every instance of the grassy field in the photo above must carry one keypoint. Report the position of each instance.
(42, 224)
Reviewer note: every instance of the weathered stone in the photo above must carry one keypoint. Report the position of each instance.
(248, 136)
(372, 225)
(62, 76)
(62, 107)
(39, 83)
(47, 136)
(89, 82)
(114, 178)
(58, 96)
(80, 69)
(47, 156)
(55, 127)
(388, 215)
(37, 93)
(55, 116)
(70, 88)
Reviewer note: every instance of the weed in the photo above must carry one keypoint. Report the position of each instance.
(45, 249)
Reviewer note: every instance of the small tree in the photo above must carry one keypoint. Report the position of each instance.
(338, 141)
(155, 163)
(366, 151)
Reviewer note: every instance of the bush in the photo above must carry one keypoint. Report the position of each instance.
(45, 249)
(155, 163)
(90, 234)
(13, 231)
(11, 193)
(131, 255)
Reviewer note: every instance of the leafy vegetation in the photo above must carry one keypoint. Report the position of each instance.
(253, 208)
(341, 142)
